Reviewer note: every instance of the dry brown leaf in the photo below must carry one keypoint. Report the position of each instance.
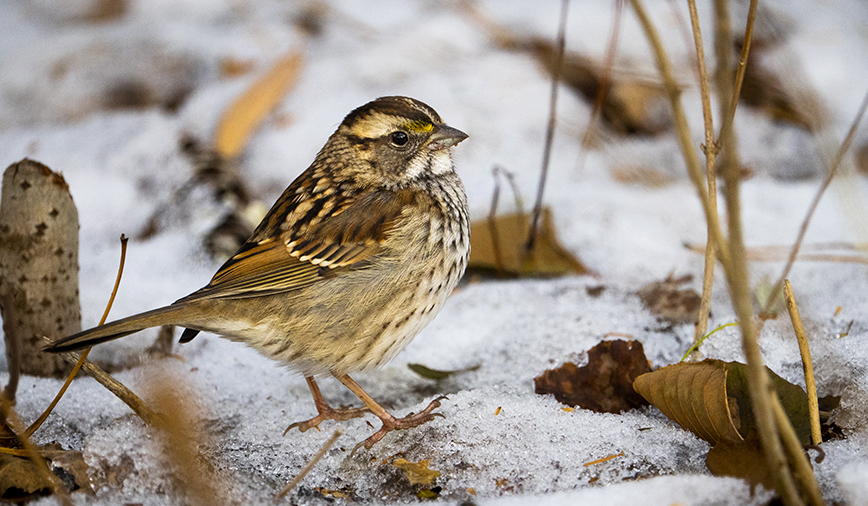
(630, 107)
(69, 466)
(710, 399)
(436, 374)
(548, 258)
(20, 479)
(694, 396)
(417, 472)
(247, 112)
(666, 301)
(605, 384)
(765, 91)
(741, 459)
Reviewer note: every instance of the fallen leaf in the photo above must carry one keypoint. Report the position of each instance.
(766, 91)
(666, 301)
(437, 375)
(630, 107)
(247, 111)
(740, 459)
(509, 233)
(605, 384)
(69, 466)
(418, 472)
(710, 399)
(19, 479)
(694, 396)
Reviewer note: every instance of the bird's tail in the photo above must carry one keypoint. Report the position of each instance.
(168, 315)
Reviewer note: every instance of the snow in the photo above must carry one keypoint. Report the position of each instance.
(123, 164)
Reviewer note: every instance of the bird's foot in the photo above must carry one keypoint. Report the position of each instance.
(327, 412)
(391, 423)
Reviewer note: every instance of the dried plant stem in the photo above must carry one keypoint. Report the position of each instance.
(605, 78)
(776, 253)
(316, 458)
(762, 395)
(550, 129)
(710, 149)
(80, 361)
(41, 465)
(39, 421)
(116, 387)
(742, 63)
(682, 128)
(807, 363)
(833, 170)
(798, 460)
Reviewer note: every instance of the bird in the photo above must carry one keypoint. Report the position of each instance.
(354, 259)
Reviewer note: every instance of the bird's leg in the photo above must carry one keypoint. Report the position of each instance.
(324, 411)
(390, 423)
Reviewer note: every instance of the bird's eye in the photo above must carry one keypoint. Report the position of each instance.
(399, 138)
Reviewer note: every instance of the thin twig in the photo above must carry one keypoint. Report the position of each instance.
(114, 386)
(605, 78)
(81, 360)
(710, 149)
(833, 170)
(742, 63)
(807, 363)
(800, 466)
(550, 129)
(733, 258)
(316, 458)
(761, 394)
(682, 128)
(492, 224)
(775, 253)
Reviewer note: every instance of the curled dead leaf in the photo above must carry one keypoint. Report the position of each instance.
(710, 399)
(605, 384)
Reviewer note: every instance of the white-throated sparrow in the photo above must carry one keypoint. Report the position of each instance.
(355, 258)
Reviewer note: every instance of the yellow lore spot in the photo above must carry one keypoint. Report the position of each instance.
(419, 126)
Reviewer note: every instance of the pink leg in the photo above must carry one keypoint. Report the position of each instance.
(390, 423)
(325, 412)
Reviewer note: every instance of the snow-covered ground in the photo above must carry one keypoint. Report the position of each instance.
(499, 442)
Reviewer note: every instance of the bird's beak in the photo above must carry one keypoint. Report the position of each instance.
(445, 136)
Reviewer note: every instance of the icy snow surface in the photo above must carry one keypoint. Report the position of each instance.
(121, 165)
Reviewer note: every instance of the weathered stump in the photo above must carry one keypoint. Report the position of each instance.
(38, 268)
